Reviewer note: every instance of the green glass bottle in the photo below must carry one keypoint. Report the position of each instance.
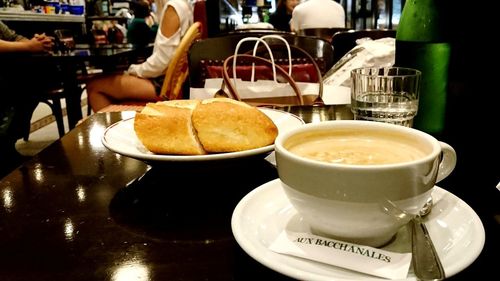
(422, 43)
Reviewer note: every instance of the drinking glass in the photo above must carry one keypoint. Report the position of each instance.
(385, 94)
(65, 40)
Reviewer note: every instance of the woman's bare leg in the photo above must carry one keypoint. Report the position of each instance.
(105, 90)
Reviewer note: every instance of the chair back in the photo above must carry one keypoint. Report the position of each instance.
(200, 15)
(259, 31)
(344, 41)
(304, 67)
(213, 51)
(178, 69)
(325, 33)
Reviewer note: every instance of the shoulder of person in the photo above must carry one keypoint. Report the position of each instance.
(182, 7)
(180, 4)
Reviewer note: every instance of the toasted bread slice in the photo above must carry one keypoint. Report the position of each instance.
(166, 128)
(226, 125)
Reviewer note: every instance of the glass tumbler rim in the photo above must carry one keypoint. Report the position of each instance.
(392, 71)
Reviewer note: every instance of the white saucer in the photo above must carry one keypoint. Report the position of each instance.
(258, 219)
(121, 138)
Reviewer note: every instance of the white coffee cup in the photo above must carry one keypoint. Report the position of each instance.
(363, 203)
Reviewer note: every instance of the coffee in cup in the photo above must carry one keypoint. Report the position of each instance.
(360, 181)
(356, 147)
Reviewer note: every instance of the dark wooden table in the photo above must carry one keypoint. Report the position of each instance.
(78, 211)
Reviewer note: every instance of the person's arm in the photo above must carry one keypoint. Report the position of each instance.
(27, 45)
(170, 23)
(156, 64)
(12, 42)
(8, 34)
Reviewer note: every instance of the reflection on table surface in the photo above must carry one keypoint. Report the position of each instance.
(78, 211)
(312, 114)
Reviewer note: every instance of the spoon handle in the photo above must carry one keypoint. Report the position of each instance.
(426, 263)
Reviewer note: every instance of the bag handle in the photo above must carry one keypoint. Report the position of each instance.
(287, 47)
(254, 59)
(257, 39)
(221, 92)
(319, 99)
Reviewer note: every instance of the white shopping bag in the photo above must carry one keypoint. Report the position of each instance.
(259, 89)
(331, 94)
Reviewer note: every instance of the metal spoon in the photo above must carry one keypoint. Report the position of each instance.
(425, 260)
(220, 94)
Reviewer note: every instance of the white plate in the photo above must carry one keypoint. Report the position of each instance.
(121, 138)
(258, 219)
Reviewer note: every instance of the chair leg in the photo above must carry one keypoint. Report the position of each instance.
(57, 112)
(26, 124)
(26, 132)
(89, 109)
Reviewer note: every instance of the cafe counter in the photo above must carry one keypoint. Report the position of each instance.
(29, 16)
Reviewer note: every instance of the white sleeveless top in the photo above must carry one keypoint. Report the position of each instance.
(164, 47)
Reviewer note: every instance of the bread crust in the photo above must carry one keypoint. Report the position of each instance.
(191, 127)
(226, 125)
(166, 128)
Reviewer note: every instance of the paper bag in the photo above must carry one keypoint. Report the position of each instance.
(257, 80)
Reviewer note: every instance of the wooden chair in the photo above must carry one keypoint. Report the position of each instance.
(178, 68)
(344, 41)
(53, 94)
(175, 76)
(213, 51)
(325, 33)
(52, 97)
(200, 15)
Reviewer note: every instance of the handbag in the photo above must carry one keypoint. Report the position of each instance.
(303, 68)
(254, 85)
(260, 92)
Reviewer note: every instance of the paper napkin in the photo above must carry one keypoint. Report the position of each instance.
(355, 257)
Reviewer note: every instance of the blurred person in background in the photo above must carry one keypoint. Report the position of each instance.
(142, 28)
(17, 102)
(280, 19)
(318, 14)
(143, 82)
(153, 11)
